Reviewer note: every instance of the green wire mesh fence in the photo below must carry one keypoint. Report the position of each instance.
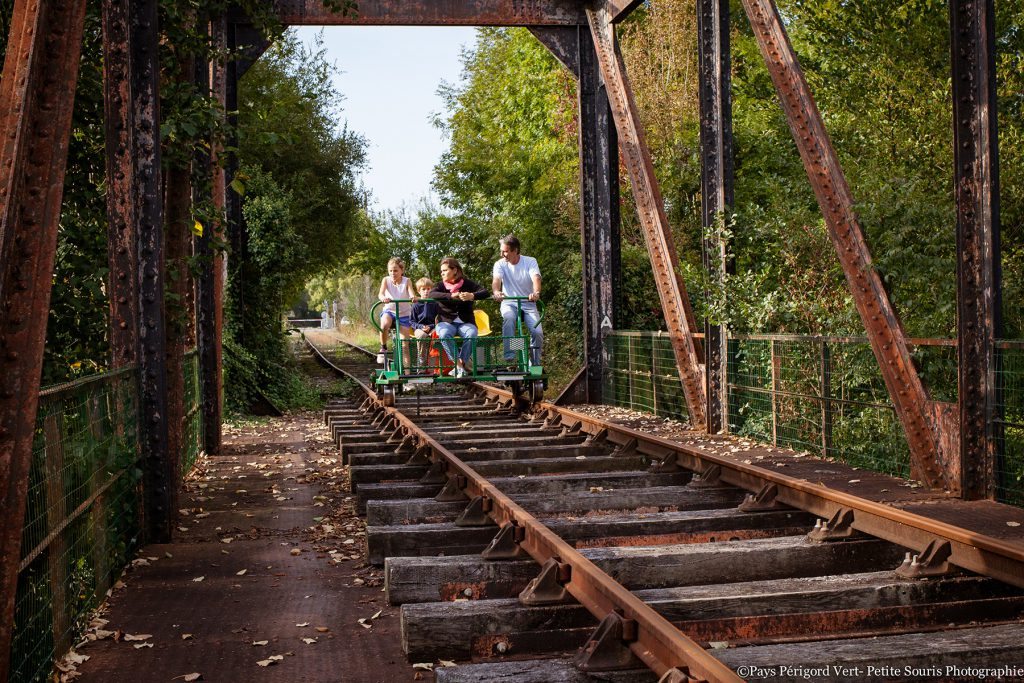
(193, 428)
(823, 395)
(1010, 423)
(642, 374)
(83, 516)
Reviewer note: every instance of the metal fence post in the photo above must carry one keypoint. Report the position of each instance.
(826, 392)
(56, 553)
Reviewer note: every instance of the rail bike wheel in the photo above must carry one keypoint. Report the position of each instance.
(536, 391)
(387, 395)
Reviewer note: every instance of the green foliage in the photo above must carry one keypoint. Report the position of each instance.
(301, 210)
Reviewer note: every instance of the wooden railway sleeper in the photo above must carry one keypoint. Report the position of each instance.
(608, 649)
(454, 490)
(838, 528)
(765, 500)
(476, 513)
(506, 544)
(548, 588)
(932, 562)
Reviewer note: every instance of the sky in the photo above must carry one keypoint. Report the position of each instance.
(389, 79)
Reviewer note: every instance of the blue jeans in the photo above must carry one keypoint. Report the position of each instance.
(509, 310)
(445, 332)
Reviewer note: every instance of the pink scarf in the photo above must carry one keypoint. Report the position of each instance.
(453, 287)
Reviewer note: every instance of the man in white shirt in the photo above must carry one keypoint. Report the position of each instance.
(515, 275)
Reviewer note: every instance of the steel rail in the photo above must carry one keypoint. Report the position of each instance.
(976, 552)
(659, 645)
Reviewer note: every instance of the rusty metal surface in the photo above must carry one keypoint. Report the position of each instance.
(120, 145)
(979, 545)
(976, 186)
(715, 99)
(599, 215)
(884, 329)
(651, 209)
(36, 102)
(658, 644)
(434, 13)
(159, 482)
(213, 264)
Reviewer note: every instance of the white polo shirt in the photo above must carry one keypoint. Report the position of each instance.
(516, 280)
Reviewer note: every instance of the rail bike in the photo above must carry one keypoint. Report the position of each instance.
(411, 363)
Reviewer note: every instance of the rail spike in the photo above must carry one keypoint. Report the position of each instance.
(549, 586)
(709, 478)
(453, 491)
(505, 544)
(838, 528)
(932, 562)
(475, 513)
(436, 473)
(608, 647)
(678, 674)
(421, 456)
(762, 501)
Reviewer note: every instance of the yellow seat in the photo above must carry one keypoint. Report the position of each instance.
(482, 321)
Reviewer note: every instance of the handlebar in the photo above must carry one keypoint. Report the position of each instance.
(375, 317)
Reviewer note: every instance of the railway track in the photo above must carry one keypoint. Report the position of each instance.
(547, 545)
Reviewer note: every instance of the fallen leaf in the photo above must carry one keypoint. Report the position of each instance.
(377, 614)
(1013, 524)
(241, 573)
(198, 579)
(425, 666)
(853, 481)
(266, 662)
(446, 662)
(140, 636)
(260, 643)
(139, 646)
(186, 636)
(309, 641)
(193, 676)
(296, 551)
(303, 624)
(322, 629)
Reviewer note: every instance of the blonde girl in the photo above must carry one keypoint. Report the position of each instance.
(394, 286)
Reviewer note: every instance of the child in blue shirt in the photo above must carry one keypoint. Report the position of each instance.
(422, 320)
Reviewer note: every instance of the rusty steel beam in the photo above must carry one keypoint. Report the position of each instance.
(620, 9)
(433, 13)
(716, 187)
(120, 145)
(36, 103)
(884, 329)
(976, 185)
(213, 263)
(159, 483)
(657, 643)
(179, 325)
(598, 144)
(651, 209)
(599, 215)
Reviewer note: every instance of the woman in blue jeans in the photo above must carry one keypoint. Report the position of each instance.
(455, 294)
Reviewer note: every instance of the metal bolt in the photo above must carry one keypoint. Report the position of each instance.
(501, 647)
(468, 592)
